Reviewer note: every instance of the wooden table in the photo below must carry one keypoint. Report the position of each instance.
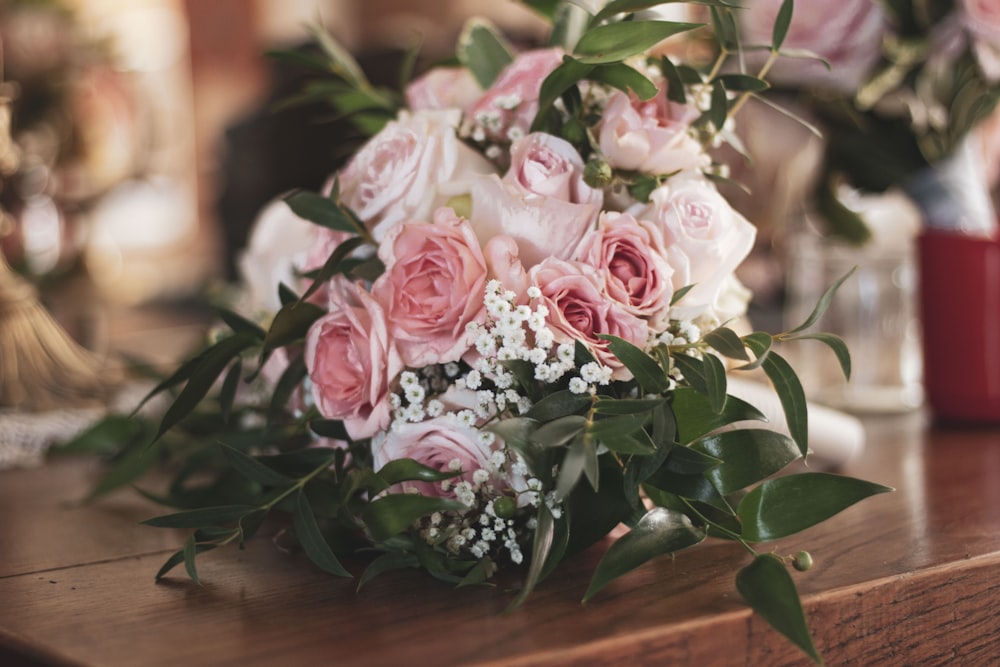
(909, 578)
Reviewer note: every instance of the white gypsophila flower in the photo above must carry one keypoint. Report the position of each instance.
(534, 292)
(435, 408)
(578, 386)
(451, 369)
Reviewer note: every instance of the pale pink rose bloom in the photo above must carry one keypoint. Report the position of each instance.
(706, 239)
(631, 257)
(542, 202)
(504, 264)
(649, 135)
(432, 288)
(982, 19)
(443, 88)
(578, 309)
(435, 443)
(511, 103)
(352, 362)
(847, 34)
(410, 168)
(278, 250)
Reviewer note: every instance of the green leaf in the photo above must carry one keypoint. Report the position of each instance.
(693, 370)
(618, 425)
(790, 394)
(631, 6)
(253, 469)
(559, 404)
(130, 467)
(179, 557)
(201, 517)
(334, 264)
(320, 210)
(781, 23)
(560, 431)
(626, 406)
(747, 455)
(822, 304)
(561, 79)
(675, 85)
(291, 324)
(615, 42)
(300, 462)
(107, 436)
(329, 428)
(650, 376)
(312, 540)
(290, 380)
(719, 111)
(768, 588)
(637, 442)
(203, 376)
(571, 468)
(625, 78)
(387, 562)
(540, 548)
(742, 83)
(726, 342)
(390, 515)
(760, 342)
(679, 294)
(715, 379)
(484, 51)
(661, 531)
(835, 343)
(404, 470)
(785, 505)
(227, 395)
(190, 550)
(695, 417)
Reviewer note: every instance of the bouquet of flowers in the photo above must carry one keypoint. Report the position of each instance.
(896, 89)
(504, 330)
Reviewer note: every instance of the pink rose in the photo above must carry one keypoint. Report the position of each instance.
(847, 34)
(436, 443)
(631, 257)
(443, 88)
(508, 108)
(706, 239)
(504, 264)
(579, 310)
(406, 171)
(982, 19)
(542, 202)
(352, 361)
(432, 287)
(649, 136)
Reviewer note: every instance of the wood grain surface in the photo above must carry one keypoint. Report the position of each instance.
(909, 578)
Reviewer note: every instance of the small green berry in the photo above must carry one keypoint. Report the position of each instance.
(597, 173)
(504, 507)
(802, 561)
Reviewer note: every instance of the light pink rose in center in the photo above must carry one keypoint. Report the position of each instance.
(846, 34)
(579, 310)
(406, 171)
(436, 443)
(631, 256)
(352, 362)
(706, 239)
(649, 136)
(432, 287)
(542, 202)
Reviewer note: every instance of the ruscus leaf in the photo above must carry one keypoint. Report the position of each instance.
(767, 587)
(390, 515)
(785, 505)
(312, 540)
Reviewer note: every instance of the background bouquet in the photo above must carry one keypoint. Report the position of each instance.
(902, 92)
(503, 330)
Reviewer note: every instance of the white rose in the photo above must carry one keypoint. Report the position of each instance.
(706, 239)
(410, 168)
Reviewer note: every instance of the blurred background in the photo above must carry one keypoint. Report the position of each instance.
(146, 136)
